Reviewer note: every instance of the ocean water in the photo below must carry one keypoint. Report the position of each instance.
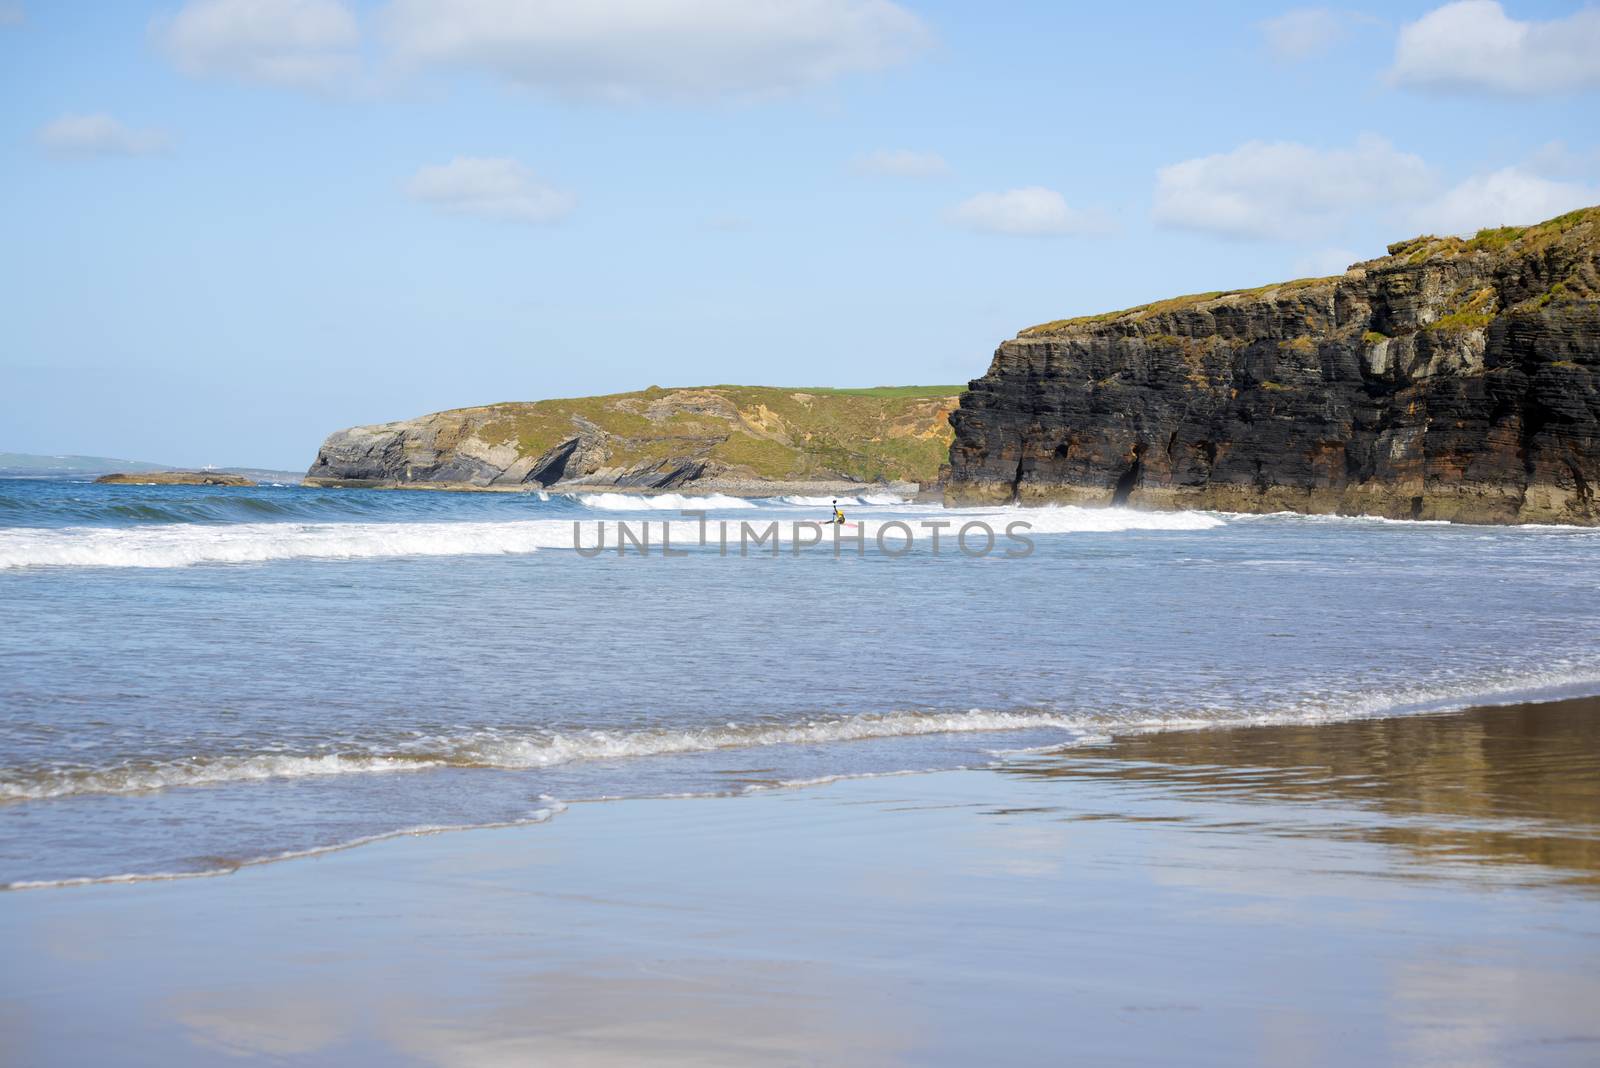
(195, 678)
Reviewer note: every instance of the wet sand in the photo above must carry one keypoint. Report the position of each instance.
(1423, 890)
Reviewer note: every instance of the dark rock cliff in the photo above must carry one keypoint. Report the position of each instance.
(1451, 379)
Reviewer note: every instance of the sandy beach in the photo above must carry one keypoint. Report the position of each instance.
(1417, 890)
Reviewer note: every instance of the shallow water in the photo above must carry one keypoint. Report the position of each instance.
(196, 678)
(1509, 794)
(1416, 890)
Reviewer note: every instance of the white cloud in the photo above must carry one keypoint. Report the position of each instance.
(1033, 211)
(1511, 196)
(99, 135)
(1475, 45)
(1304, 32)
(624, 50)
(300, 44)
(901, 163)
(1286, 190)
(1323, 262)
(493, 188)
(1555, 159)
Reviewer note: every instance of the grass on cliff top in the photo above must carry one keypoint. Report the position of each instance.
(883, 432)
(1174, 304)
(877, 391)
(1416, 250)
(1499, 238)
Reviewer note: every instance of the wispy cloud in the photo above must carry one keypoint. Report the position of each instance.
(900, 163)
(1324, 261)
(12, 14)
(1474, 46)
(1507, 197)
(1288, 190)
(1032, 211)
(1555, 159)
(297, 44)
(492, 188)
(99, 135)
(651, 49)
(1306, 32)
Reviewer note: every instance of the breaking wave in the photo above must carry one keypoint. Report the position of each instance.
(184, 545)
(1072, 519)
(660, 502)
(168, 545)
(505, 751)
(866, 500)
(525, 751)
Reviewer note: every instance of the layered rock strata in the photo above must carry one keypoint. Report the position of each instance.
(1451, 379)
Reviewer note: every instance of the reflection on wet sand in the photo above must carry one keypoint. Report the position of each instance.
(1418, 892)
(1513, 785)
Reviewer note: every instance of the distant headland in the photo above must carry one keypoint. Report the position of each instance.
(174, 478)
(748, 440)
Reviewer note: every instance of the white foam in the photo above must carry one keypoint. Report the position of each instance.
(612, 745)
(846, 776)
(866, 500)
(1072, 519)
(490, 749)
(132, 779)
(507, 751)
(186, 544)
(1317, 517)
(660, 502)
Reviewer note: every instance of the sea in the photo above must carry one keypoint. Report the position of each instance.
(197, 679)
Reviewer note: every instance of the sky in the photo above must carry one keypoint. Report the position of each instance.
(231, 227)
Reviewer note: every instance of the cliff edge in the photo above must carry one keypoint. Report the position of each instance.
(1451, 379)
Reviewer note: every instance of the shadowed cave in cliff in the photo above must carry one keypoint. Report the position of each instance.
(1129, 479)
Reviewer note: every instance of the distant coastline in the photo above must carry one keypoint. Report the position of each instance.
(174, 478)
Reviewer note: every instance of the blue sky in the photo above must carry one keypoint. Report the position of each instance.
(233, 226)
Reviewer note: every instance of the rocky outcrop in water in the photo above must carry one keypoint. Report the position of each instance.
(174, 478)
(731, 439)
(1451, 379)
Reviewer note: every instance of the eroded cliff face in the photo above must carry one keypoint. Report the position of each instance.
(1452, 379)
(731, 438)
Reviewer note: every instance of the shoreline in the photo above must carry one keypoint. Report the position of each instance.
(553, 808)
(1431, 883)
(912, 493)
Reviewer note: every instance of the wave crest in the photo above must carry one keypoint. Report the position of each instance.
(496, 750)
(865, 500)
(248, 543)
(660, 502)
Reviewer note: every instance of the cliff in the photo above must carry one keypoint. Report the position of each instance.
(729, 438)
(1451, 379)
